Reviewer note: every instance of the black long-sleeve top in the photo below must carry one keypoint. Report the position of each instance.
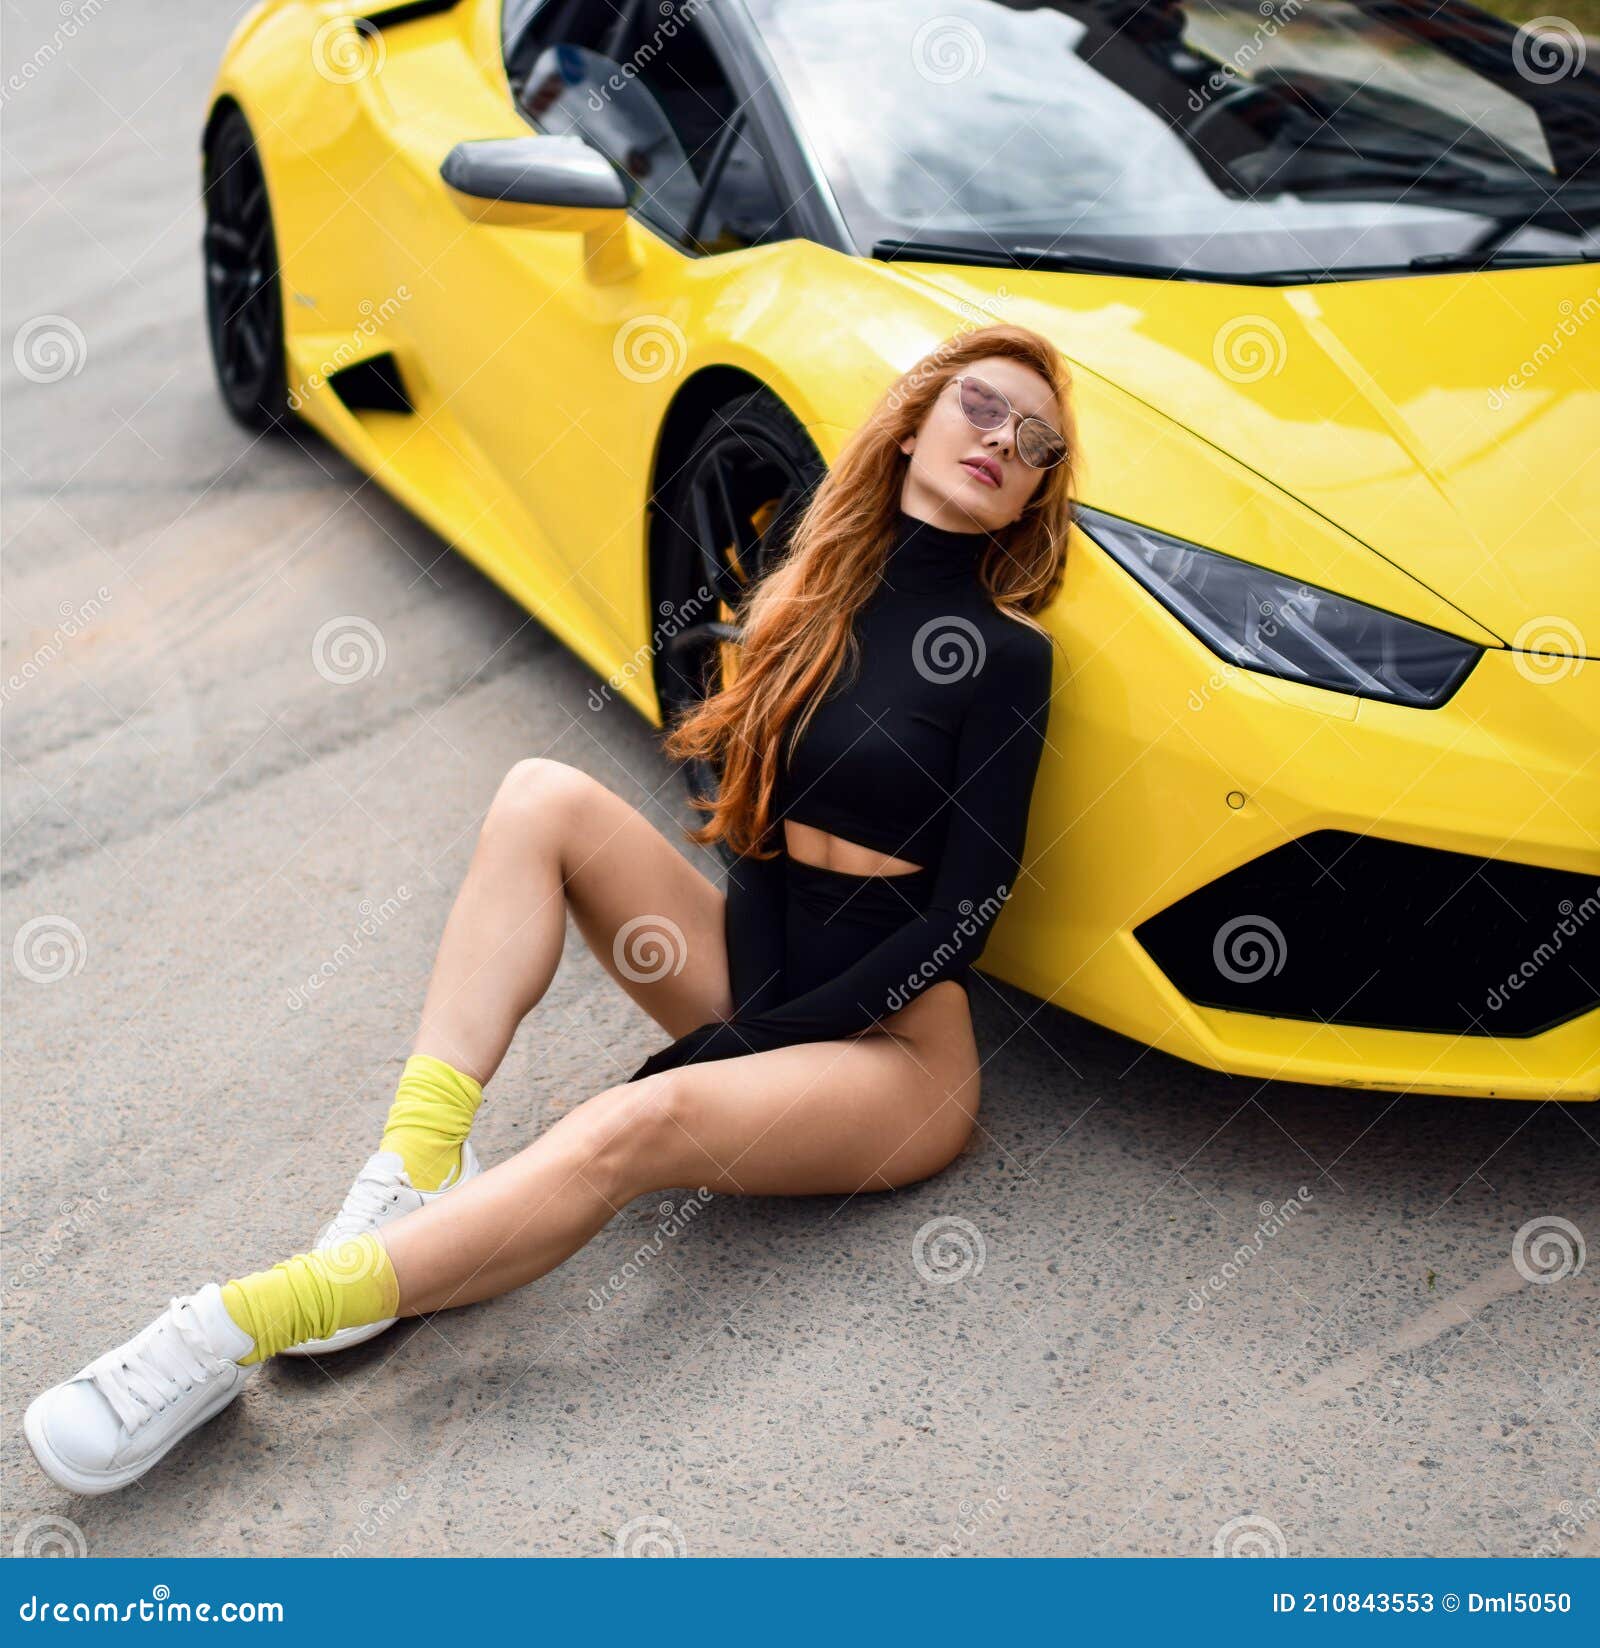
(928, 753)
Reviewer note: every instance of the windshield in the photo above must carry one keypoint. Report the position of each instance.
(1239, 138)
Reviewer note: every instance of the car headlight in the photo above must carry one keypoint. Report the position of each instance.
(1260, 620)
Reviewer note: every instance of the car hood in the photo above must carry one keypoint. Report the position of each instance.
(1447, 421)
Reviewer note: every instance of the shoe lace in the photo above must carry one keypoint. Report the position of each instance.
(155, 1367)
(375, 1189)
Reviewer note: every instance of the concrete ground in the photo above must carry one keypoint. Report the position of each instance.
(1087, 1336)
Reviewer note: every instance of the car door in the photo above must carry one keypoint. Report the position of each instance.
(556, 353)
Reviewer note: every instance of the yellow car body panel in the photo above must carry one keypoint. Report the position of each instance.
(1367, 455)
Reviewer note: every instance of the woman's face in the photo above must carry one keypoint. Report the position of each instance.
(966, 478)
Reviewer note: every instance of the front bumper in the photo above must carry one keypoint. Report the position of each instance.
(1413, 864)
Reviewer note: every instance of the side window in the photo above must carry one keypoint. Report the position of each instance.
(642, 86)
(741, 207)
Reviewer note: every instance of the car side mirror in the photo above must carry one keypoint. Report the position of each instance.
(554, 181)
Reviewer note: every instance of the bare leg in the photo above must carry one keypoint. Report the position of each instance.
(554, 835)
(878, 1110)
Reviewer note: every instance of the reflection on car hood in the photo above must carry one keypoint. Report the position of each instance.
(1448, 421)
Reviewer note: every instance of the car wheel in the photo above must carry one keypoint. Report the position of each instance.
(727, 517)
(244, 303)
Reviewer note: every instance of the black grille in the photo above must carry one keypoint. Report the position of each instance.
(1351, 929)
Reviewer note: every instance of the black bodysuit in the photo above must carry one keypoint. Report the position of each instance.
(928, 753)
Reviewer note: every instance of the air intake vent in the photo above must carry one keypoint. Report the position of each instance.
(1353, 929)
(372, 386)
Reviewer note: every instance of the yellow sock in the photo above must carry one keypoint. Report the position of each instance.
(432, 1113)
(313, 1295)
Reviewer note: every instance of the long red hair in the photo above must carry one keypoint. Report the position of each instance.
(797, 618)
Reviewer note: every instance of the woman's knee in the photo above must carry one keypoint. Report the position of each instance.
(943, 1134)
(537, 793)
(640, 1132)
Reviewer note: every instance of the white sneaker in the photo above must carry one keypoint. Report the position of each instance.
(108, 1424)
(382, 1193)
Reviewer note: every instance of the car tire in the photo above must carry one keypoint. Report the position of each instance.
(726, 517)
(244, 292)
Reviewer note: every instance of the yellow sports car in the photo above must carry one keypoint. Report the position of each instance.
(597, 288)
